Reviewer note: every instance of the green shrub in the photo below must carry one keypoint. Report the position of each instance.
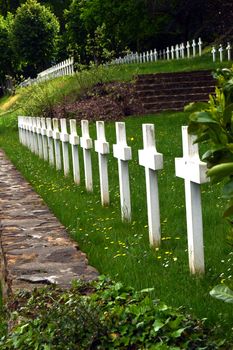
(100, 315)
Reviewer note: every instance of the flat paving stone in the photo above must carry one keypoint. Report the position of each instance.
(35, 248)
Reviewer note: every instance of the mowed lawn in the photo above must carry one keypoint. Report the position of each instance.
(122, 250)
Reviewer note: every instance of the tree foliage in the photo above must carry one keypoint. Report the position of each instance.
(34, 36)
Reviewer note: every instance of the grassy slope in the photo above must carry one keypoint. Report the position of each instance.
(122, 250)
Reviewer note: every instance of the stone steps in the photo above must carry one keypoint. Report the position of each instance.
(172, 91)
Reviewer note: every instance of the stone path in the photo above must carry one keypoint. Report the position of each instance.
(34, 247)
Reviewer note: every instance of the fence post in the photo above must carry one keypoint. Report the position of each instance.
(74, 141)
(64, 137)
(102, 148)
(152, 161)
(87, 144)
(193, 171)
(123, 153)
(56, 137)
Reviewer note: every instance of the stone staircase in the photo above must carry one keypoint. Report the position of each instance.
(172, 91)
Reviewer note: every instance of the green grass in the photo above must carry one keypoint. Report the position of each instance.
(122, 250)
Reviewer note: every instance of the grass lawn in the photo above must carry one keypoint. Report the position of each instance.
(122, 250)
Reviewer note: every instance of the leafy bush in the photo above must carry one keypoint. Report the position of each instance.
(212, 122)
(100, 315)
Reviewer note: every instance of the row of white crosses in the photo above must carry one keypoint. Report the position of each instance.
(174, 52)
(220, 52)
(59, 70)
(43, 137)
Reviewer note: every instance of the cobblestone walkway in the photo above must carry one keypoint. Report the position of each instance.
(34, 247)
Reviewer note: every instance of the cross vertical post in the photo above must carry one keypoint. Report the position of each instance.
(188, 49)
(213, 51)
(200, 46)
(87, 144)
(228, 48)
(220, 52)
(194, 48)
(193, 171)
(74, 141)
(56, 137)
(34, 130)
(49, 133)
(152, 161)
(123, 153)
(39, 137)
(64, 137)
(44, 138)
(102, 148)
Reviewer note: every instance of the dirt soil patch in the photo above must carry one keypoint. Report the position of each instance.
(105, 101)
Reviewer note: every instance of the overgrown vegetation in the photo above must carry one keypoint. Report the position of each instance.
(101, 315)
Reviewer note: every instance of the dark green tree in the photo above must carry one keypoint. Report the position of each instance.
(34, 36)
(6, 56)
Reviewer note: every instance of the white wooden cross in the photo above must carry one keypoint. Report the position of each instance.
(182, 50)
(35, 140)
(74, 141)
(33, 136)
(194, 48)
(213, 51)
(220, 52)
(20, 128)
(123, 153)
(39, 137)
(50, 141)
(200, 46)
(57, 149)
(188, 49)
(177, 51)
(44, 138)
(155, 55)
(228, 48)
(140, 58)
(87, 144)
(147, 56)
(152, 161)
(172, 52)
(64, 137)
(168, 53)
(144, 57)
(151, 56)
(25, 127)
(102, 148)
(193, 171)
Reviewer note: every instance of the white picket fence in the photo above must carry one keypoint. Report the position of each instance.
(46, 138)
(221, 52)
(59, 70)
(178, 51)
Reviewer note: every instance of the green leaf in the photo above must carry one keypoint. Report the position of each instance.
(196, 106)
(222, 292)
(177, 333)
(220, 171)
(203, 117)
(157, 325)
(228, 211)
(228, 189)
